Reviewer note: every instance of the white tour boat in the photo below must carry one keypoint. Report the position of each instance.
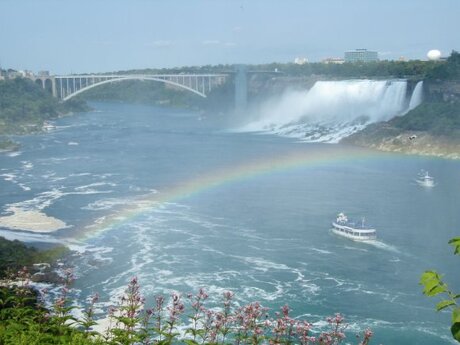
(47, 126)
(425, 180)
(356, 232)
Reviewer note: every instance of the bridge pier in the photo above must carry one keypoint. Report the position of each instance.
(241, 88)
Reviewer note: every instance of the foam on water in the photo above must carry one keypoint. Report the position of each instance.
(14, 154)
(322, 251)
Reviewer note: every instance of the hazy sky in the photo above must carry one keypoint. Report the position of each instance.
(107, 35)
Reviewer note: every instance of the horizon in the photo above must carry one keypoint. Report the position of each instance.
(104, 36)
(5, 68)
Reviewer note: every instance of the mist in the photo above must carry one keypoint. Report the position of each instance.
(330, 110)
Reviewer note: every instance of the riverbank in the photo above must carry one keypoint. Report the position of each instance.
(432, 129)
(8, 145)
(25, 107)
(407, 142)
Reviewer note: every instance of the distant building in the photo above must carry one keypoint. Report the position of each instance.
(333, 60)
(11, 74)
(361, 55)
(300, 60)
(43, 73)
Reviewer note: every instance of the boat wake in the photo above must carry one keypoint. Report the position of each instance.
(384, 246)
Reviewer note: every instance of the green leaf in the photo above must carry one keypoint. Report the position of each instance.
(455, 242)
(455, 329)
(444, 304)
(432, 283)
(456, 315)
(190, 342)
(436, 290)
(429, 276)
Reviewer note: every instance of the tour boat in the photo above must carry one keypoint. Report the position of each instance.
(48, 126)
(357, 232)
(425, 180)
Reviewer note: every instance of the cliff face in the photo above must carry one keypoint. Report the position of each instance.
(442, 91)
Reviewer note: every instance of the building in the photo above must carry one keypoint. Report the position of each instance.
(361, 55)
(300, 61)
(43, 73)
(333, 60)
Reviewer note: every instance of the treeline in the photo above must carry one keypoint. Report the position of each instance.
(434, 118)
(417, 69)
(25, 106)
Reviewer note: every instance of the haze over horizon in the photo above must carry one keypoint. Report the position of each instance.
(101, 36)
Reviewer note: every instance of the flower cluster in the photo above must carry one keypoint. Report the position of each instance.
(191, 322)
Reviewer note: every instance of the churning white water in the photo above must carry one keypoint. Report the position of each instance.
(331, 110)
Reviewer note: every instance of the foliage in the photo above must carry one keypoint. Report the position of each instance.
(8, 145)
(449, 70)
(14, 255)
(435, 118)
(23, 320)
(433, 285)
(24, 106)
(413, 69)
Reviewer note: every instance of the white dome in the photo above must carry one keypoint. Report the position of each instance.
(433, 54)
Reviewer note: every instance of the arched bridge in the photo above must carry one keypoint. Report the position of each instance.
(66, 87)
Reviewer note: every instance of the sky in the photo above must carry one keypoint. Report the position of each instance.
(90, 36)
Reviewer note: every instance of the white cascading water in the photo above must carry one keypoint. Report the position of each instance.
(331, 110)
(417, 96)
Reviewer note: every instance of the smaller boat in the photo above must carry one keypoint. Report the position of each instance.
(47, 126)
(425, 180)
(357, 232)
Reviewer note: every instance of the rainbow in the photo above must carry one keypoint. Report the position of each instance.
(298, 159)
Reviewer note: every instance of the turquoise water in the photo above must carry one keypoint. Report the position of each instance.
(266, 236)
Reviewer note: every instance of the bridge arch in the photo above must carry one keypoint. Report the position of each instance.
(107, 81)
(48, 85)
(39, 82)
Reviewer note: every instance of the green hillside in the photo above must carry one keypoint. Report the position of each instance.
(25, 106)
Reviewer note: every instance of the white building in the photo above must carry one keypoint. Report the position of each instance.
(300, 60)
(333, 60)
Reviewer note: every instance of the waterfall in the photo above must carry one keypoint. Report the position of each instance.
(331, 110)
(417, 96)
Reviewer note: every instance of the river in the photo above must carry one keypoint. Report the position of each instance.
(182, 202)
